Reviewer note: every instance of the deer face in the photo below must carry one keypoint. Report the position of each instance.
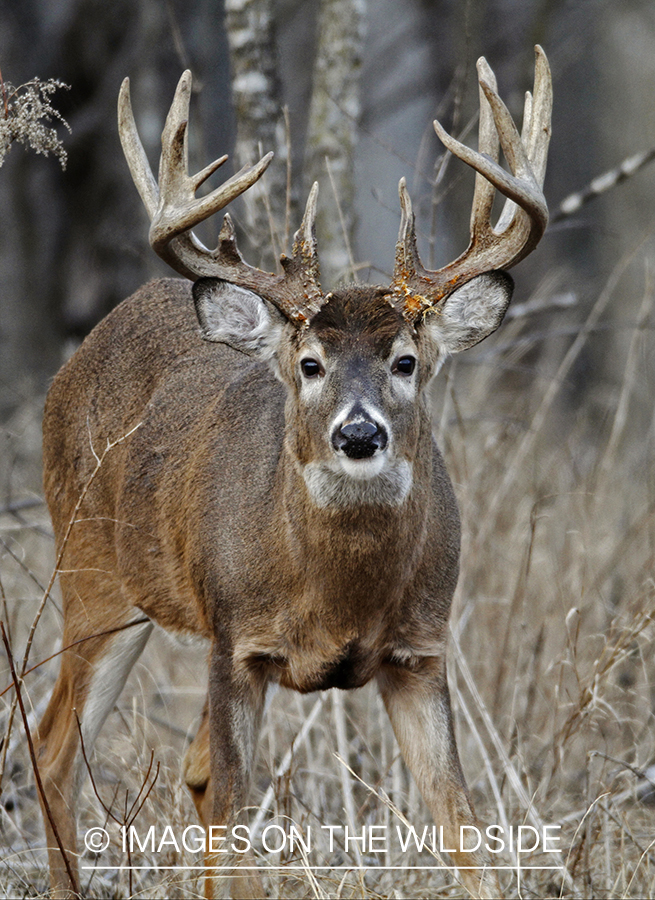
(355, 400)
(355, 377)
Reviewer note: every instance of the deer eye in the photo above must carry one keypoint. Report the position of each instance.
(310, 368)
(405, 365)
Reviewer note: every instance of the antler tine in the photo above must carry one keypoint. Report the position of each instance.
(135, 155)
(525, 214)
(489, 145)
(409, 275)
(302, 269)
(512, 143)
(304, 240)
(541, 109)
(174, 159)
(520, 185)
(406, 255)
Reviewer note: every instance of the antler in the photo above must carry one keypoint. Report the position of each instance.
(174, 210)
(524, 216)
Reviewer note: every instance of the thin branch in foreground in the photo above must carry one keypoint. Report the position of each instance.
(89, 637)
(111, 445)
(129, 816)
(46, 593)
(35, 766)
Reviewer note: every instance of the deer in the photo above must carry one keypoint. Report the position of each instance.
(241, 457)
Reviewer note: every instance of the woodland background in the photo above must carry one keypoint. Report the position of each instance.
(74, 243)
(547, 427)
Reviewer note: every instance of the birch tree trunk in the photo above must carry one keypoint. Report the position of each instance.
(255, 89)
(332, 131)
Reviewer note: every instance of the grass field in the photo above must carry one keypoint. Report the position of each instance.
(551, 658)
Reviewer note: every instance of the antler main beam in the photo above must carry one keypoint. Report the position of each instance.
(525, 213)
(174, 210)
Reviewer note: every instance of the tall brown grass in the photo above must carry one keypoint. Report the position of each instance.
(551, 659)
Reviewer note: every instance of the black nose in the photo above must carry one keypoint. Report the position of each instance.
(360, 439)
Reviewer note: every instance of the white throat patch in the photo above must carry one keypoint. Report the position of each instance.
(330, 485)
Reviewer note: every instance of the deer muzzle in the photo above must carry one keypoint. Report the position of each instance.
(360, 438)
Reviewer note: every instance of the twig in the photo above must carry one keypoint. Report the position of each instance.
(342, 221)
(136, 806)
(89, 637)
(17, 505)
(5, 610)
(6, 739)
(339, 714)
(30, 744)
(285, 765)
(639, 773)
(46, 593)
(513, 465)
(111, 445)
(129, 817)
(287, 203)
(601, 184)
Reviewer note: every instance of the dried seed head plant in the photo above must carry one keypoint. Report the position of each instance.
(24, 112)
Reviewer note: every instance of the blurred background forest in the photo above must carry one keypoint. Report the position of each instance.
(547, 427)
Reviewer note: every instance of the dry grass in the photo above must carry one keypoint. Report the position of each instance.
(551, 660)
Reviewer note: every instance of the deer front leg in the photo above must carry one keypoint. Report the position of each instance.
(418, 704)
(236, 702)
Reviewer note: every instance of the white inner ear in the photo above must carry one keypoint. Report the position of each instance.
(232, 315)
(471, 313)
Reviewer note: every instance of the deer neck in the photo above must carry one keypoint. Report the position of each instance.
(357, 553)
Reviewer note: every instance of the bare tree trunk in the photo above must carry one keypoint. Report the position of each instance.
(332, 132)
(255, 88)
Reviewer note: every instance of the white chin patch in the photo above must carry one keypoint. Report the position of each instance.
(359, 482)
(360, 468)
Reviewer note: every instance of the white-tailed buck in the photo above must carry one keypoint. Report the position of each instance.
(245, 458)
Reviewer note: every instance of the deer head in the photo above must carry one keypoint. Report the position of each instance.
(355, 361)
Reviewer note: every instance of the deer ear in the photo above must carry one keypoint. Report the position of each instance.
(232, 315)
(471, 313)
